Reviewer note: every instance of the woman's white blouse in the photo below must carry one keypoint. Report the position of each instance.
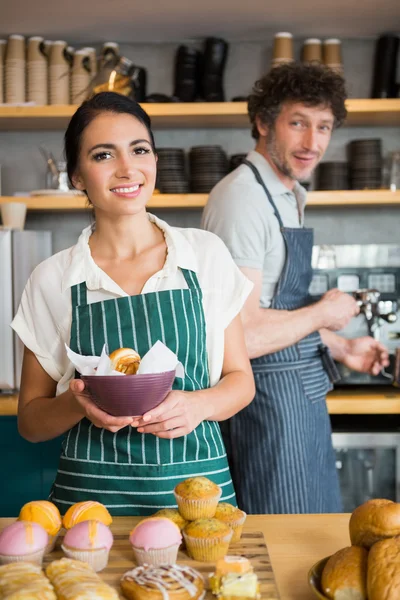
(43, 320)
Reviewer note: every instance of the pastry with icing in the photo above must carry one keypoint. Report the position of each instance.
(166, 582)
(20, 580)
(23, 541)
(76, 580)
(47, 515)
(89, 541)
(83, 511)
(155, 541)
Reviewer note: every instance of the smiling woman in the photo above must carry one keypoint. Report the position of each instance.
(130, 280)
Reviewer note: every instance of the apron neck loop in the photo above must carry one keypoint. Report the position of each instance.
(261, 182)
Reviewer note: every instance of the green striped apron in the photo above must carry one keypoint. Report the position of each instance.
(133, 473)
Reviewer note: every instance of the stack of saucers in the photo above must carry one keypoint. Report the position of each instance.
(333, 176)
(365, 158)
(208, 165)
(236, 160)
(171, 174)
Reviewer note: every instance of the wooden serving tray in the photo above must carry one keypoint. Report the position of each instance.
(252, 546)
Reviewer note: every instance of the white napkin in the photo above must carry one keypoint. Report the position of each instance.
(157, 360)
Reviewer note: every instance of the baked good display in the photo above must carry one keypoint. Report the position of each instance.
(373, 521)
(125, 360)
(166, 582)
(383, 582)
(47, 515)
(83, 511)
(345, 574)
(19, 580)
(197, 498)
(90, 542)
(207, 539)
(23, 541)
(76, 580)
(155, 541)
(232, 516)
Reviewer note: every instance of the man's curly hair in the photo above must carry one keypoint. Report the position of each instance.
(307, 83)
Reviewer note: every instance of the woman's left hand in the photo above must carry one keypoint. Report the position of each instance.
(177, 415)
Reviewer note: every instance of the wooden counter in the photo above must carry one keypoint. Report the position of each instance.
(295, 543)
(382, 400)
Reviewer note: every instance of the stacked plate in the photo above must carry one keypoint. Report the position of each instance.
(171, 173)
(365, 159)
(236, 160)
(333, 176)
(208, 165)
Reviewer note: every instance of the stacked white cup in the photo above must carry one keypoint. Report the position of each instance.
(15, 70)
(37, 71)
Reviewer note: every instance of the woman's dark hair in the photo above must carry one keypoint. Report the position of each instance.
(307, 83)
(89, 110)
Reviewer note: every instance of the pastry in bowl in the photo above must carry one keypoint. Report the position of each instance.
(373, 521)
(345, 574)
(384, 570)
(125, 360)
(175, 582)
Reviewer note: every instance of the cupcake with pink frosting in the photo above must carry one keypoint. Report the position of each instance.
(155, 541)
(23, 541)
(90, 542)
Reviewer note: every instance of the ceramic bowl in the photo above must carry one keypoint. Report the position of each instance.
(314, 578)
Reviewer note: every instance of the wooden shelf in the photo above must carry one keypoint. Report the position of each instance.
(378, 400)
(315, 200)
(362, 112)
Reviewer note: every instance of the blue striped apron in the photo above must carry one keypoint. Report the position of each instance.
(279, 447)
(134, 473)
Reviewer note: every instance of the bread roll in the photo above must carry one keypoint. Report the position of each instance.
(384, 570)
(373, 521)
(125, 360)
(345, 574)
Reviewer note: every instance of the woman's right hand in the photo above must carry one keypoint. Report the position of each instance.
(98, 417)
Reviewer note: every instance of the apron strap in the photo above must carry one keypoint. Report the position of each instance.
(261, 182)
(79, 294)
(192, 281)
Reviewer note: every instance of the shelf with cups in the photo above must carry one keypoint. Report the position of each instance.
(382, 400)
(318, 199)
(361, 112)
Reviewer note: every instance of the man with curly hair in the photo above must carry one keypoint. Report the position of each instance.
(280, 448)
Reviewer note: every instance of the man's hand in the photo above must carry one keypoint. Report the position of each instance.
(336, 308)
(365, 354)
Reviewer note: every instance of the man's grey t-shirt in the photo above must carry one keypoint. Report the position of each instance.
(239, 212)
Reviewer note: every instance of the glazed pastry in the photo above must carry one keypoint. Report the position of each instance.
(155, 541)
(239, 586)
(197, 498)
(232, 516)
(167, 582)
(125, 360)
(228, 564)
(47, 515)
(90, 542)
(76, 580)
(23, 541)
(19, 580)
(83, 511)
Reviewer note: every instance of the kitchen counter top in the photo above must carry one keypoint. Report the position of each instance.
(351, 401)
(295, 543)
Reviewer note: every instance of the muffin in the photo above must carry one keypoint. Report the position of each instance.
(90, 542)
(232, 516)
(175, 582)
(84, 511)
(207, 539)
(155, 541)
(197, 498)
(173, 515)
(47, 515)
(23, 541)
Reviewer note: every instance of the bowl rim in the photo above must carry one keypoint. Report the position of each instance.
(137, 375)
(314, 577)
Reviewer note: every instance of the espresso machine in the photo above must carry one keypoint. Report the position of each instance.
(371, 273)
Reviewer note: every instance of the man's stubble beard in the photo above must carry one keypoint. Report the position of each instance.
(279, 161)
